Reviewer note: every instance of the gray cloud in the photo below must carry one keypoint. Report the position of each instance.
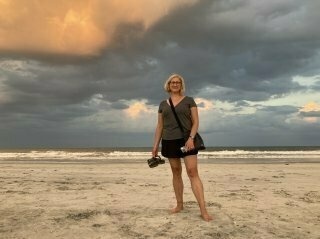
(310, 114)
(237, 46)
(233, 51)
(243, 45)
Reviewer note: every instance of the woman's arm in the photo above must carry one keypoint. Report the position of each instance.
(195, 121)
(194, 128)
(157, 135)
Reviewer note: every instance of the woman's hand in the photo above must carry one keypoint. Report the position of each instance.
(189, 144)
(155, 152)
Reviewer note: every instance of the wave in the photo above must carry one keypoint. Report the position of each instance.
(260, 154)
(140, 155)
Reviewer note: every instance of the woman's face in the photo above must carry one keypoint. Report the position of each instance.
(175, 85)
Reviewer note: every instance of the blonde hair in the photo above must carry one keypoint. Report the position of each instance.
(167, 83)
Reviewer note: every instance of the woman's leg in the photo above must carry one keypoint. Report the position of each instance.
(191, 163)
(177, 183)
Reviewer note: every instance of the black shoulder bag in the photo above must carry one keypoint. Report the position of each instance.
(198, 141)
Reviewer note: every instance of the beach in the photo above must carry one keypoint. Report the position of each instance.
(130, 200)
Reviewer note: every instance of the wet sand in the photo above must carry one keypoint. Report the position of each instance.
(130, 200)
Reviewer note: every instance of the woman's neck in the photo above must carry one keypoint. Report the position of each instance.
(176, 95)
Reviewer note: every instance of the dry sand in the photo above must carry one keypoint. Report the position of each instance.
(74, 200)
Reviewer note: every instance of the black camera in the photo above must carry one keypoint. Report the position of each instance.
(155, 161)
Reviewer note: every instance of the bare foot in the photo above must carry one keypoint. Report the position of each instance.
(177, 209)
(206, 217)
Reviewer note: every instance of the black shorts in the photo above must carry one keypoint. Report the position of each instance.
(172, 148)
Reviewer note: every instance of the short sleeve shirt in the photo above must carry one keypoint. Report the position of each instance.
(171, 128)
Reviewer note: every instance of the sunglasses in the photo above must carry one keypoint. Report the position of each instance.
(175, 83)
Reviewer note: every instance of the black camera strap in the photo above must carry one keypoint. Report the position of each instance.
(176, 116)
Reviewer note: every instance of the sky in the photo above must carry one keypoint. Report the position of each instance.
(90, 73)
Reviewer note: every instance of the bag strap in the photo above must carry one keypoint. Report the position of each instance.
(176, 116)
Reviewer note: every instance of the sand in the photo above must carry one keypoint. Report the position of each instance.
(130, 200)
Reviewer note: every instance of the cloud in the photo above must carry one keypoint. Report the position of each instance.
(74, 27)
(136, 109)
(311, 107)
(237, 45)
(250, 65)
(204, 104)
(311, 112)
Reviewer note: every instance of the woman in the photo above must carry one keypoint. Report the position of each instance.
(172, 140)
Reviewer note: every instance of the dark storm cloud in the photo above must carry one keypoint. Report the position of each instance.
(234, 51)
(252, 48)
(269, 125)
(119, 106)
(310, 114)
(46, 86)
(283, 109)
(238, 46)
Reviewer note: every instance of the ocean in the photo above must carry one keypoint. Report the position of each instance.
(137, 155)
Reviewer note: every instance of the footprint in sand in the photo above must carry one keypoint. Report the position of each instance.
(214, 204)
(291, 204)
(311, 197)
(239, 194)
(282, 193)
(252, 179)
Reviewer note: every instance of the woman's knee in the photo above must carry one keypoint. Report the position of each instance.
(176, 171)
(176, 167)
(192, 172)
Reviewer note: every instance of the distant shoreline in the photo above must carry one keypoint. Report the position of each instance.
(122, 148)
(143, 161)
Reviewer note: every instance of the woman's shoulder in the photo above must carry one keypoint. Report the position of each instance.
(189, 98)
(162, 103)
(190, 101)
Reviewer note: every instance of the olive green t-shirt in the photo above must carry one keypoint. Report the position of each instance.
(171, 128)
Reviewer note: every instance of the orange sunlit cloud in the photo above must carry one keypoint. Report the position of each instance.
(137, 109)
(203, 104)
(310, 108)
(76, 27)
